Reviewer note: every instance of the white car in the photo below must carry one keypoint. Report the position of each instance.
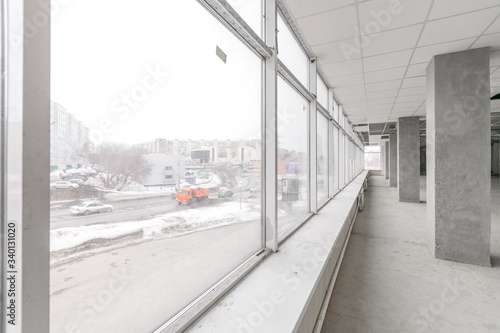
(63, 184)
(88, 207)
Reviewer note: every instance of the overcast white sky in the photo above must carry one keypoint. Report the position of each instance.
(104, 50)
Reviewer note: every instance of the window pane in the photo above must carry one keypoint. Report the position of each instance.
(373, 158)
(291, 53)
(322, 158)
(336, 157)
(159, 120)
(335, 110)
(293, 163)
(322, 92)
(251, 12)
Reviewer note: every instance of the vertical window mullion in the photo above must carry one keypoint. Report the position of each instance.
(270, 136)
(313, 139)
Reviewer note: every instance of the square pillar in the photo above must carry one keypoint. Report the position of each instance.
(393, 160)
(459, 156)
(387, 166)
(409, 159)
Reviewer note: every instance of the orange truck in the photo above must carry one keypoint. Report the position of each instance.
(188, 195)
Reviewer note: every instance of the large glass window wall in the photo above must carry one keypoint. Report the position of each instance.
(156, 182)
(156, 161)
(322, 158)
(293, 162)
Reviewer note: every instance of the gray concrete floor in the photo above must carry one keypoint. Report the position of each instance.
(389, 281)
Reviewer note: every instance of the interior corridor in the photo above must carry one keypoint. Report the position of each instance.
(390, 282)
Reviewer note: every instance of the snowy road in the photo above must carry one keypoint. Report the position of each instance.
(123, 211)
(127, 210)
(137, 288)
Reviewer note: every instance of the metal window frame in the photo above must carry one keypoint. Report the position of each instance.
(3, 151)
(25, 159)
(231, 19)
(313, 139)
(270, 127)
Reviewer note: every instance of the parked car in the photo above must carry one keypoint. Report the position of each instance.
(76, 181)
(62, 184)
(89, 207)
(224, 192)
(81, 176)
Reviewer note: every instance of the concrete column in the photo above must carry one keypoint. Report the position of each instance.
(495, 158)
(393, 160)
(387, 154)
(459, 156)
(409, 159)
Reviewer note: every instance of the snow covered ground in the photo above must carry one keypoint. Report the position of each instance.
(68, 244)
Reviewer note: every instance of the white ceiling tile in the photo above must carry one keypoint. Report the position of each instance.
(381, 94)
(380, 102)
(385, 75)
(381, 15)
(412, 82)
(383, 43)
(381, 86)
(495, 27)
(374, 139)
(350, 98)
(334, 52)
(342, 68)
(408, 104)
(425, 54)
(457, 27)
(412, 91)
(358, 120)
(346, 81)
(360, 110)
(413, 98)
(354, 90)
(300, 8)
(378, 119)
(386, 106)
(444, 8)
(417, 70)
(386, 61)
(404, 110)
(420, 113)
(330, 26)
(493, 41)
(356, 104)
(361, 129)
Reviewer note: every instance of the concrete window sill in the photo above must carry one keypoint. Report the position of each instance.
(286, 292)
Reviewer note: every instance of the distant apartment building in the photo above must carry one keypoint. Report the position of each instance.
(157, 146)
(207, 151)
(69, 139)
(234, 154)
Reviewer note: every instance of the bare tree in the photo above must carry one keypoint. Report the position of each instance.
(120, 165)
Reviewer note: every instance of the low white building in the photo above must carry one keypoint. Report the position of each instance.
(166, 169)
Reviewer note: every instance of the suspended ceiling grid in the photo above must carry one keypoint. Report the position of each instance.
(375, 52)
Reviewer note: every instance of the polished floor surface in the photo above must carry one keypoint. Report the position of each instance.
(389, 281)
